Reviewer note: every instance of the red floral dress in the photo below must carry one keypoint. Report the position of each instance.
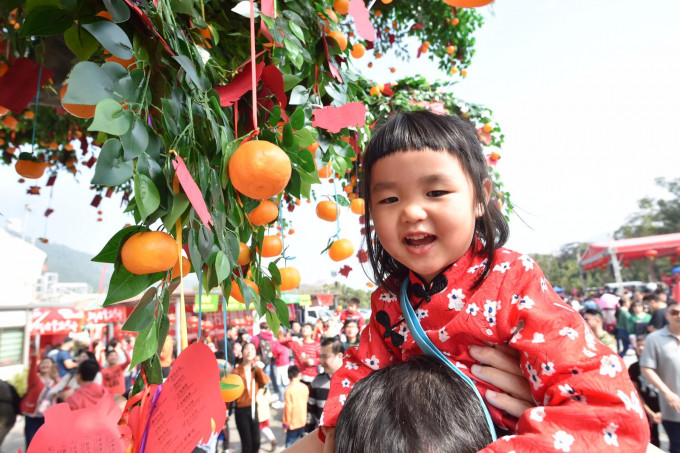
(587, 400)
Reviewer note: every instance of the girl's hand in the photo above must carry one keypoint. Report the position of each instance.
(308, 444)
(500, 367)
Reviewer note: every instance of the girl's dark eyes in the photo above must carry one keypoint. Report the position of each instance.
(437, 193)
(388, 200)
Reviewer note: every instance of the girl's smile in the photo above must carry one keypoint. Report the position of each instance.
(423, 209)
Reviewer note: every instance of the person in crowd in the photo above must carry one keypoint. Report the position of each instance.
(296, 329)
(113, 375)
(9, 408)
(295, 408)
(264, 414)
(36, 400)
(319, 330)
(330, 359)
(305, 353)
(69, 383)
(232, 336)
(64, 360)
(351, 332)
(595, 320)
(282, 362)
(638, 320)
(657, 304)
(52, 351)
(167, 355)
(622, 320)
(88, 392)
(438, 248)
(660, 364)
(380, 413)
(352, 312)
(265, 343)
(648, 393)
(247, 423)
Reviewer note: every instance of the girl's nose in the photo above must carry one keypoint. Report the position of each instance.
(413, 212)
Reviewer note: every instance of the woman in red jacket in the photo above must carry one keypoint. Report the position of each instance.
(36, 400)
(254, 378)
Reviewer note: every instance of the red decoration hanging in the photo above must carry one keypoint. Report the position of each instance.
(651, 254)
(626, 264)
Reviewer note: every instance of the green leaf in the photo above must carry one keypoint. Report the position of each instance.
(298, 96)
(145, 345)
(273, 321)
(289, 81)
(306, 161)
(274, 116)
(146, 195)
(288, 137)
(304, 138)
(274, 270)
(222, 267)
(267, 289)
(118, 9)
(152, 366)
(112, 37)
(46, 21)
(188, 66)
(88, 84)
(180, 202)
(33, 4)
(135, 140)
(297, 119)
(80, 42)
(297, 31)
(282, 311)
(109, 253)
(111, 168)
(110, 117)
(125, 285)
(143, 313)
(182, 6)
(341, 200)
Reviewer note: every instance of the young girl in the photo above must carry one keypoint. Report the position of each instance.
(427, 194)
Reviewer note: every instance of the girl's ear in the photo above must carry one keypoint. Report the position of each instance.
(486, 187)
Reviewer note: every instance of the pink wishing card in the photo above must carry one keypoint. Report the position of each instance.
(192, 191)
(358, 11)
(333, 119)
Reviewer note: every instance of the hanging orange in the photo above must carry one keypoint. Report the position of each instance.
(243, 254)
(236, 292)
(326, 171)
(468, 3)
(290, 278)
(186, 268)
(236, 383)
(358, 206)
(149, 252)
(341, 250)
(259, 169)
(358, 50)
(272, 246)
(327, 210)
(10, 122)
(265, 213)
(79, 110)
(341, 6)
(30, 169)
(340, 38)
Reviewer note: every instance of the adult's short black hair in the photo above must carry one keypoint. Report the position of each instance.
(423, 130)
(650, 297)
(417, 406)
(88, 370)
(293, 372)
(336, 344)
(594, 312)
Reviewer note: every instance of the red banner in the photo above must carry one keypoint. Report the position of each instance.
(50, 321)
(105, 315)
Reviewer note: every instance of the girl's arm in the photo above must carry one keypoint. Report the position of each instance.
(589, 402)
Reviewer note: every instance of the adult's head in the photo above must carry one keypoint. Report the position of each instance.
(307, 331)
(351, 330)
(673, 317)
(249, 353)
(594, 319)
(67, 344)
(45, 366)
(84, 355)
(637, 307)
(111, 357)
(417, 406)
(232, 332)
(330, 355)
(87, 370)
(295, 327)
(651, 300)
(264, 327)
(661, 294)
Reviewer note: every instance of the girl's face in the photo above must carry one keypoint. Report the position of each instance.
(423, 209)
(45, 366)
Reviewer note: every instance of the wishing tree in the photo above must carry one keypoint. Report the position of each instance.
(160, 96)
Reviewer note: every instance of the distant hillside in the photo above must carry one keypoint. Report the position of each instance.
(74, 266)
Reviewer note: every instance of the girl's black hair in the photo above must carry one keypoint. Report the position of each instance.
(416, 406)
(419, 131)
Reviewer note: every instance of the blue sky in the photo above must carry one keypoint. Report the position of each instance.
(586, 93)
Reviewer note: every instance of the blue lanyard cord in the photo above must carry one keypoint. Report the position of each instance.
(430, 349)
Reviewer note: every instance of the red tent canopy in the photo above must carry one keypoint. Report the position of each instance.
(630, 249)
(50, 321)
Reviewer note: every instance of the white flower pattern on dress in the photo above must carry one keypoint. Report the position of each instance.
(351, 366)
(342, 399)
(472, 309)
(373, 362)
(346, 383)
(490, 312)
(610, 365)
(526, 302)
(569, 332)
(502, 268)
(421, 313)
(403, 330)
(544, 284)
(538, 338)
(563, 441)
(456, 297)
(631, 402)
(533, 377)
(443, 336)
(527, 262)
(537, 414)
(610, 437)
(588, 353)
(547, 368)
(388, 297)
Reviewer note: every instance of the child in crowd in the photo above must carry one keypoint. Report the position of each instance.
(113, 376)
(295, 409)
(352, 313)
(438, 242)
(648, 393)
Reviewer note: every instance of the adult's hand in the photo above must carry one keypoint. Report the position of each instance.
(673, 401)
(500, 367)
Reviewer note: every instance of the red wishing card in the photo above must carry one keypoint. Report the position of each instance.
(90, 430)
(192, 191)
(189, 406)
(242, 83)
(358, 10)
(20, 84)
(333, 119)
